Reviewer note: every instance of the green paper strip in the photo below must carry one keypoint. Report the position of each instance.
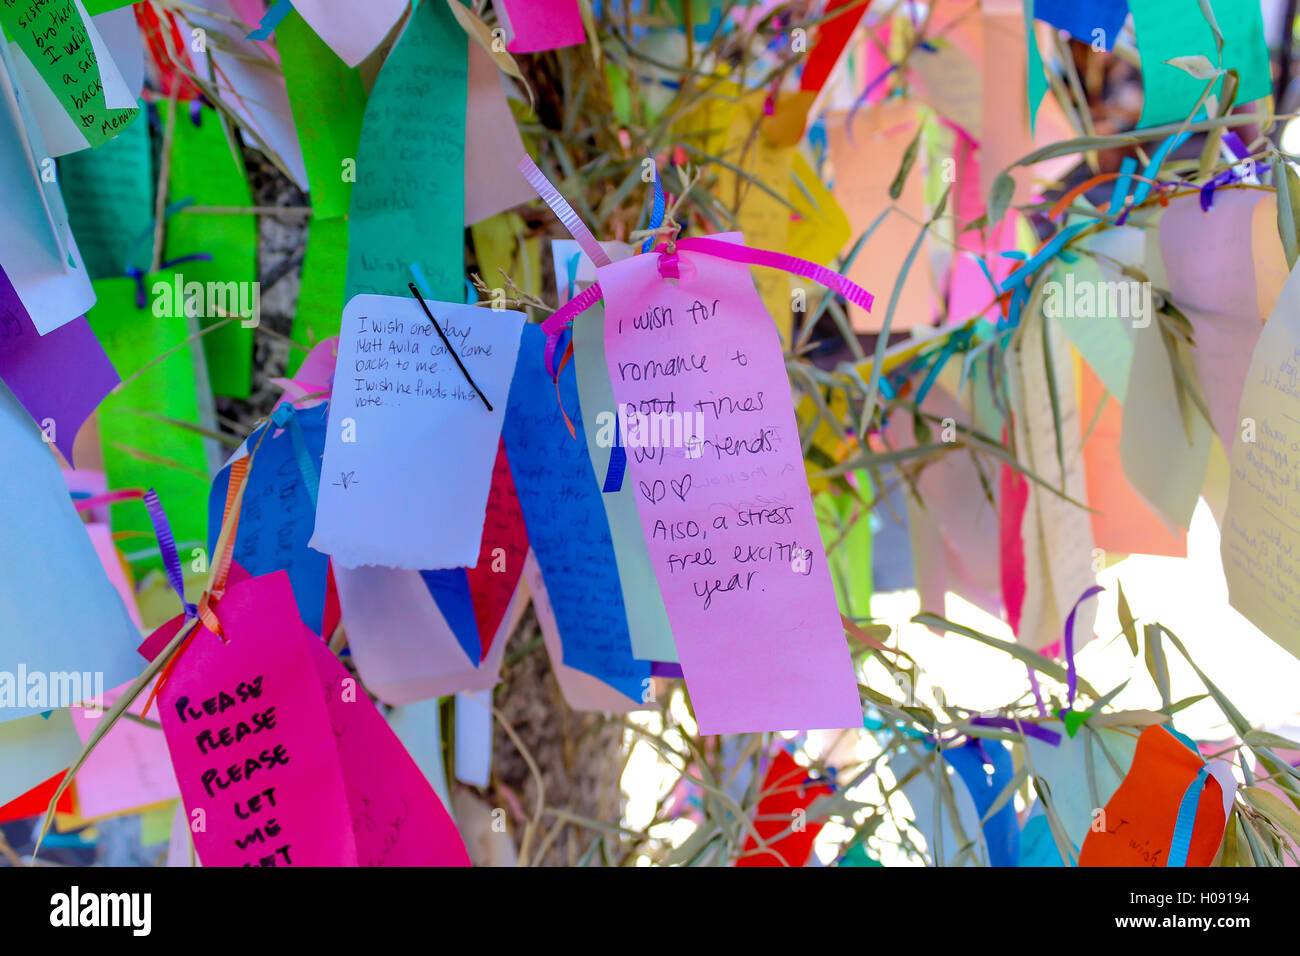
(140, 451)
(320, 295)
(109, 196)
(647, 618)
(1036, 86)
(408, 204)
(328, 102)
(57, 42)
(203, 169)
(847, 541)
(1167, 29)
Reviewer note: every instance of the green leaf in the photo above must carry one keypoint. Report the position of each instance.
(1197, 66)
(1127, 622)
(1157, 666)
(909, 160)
(1207, 11)
(1281, 813)
(1004, 187)
(1288, 209)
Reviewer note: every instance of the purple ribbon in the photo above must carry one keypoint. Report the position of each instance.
(1029, 730)
(1073, 677)
(167, 548)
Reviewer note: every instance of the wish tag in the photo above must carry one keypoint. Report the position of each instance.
(1168, 811)
(714, 455)
(397, 819)
(250, 739)
(414, 425)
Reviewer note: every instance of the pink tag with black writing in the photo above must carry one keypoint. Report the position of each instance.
(250, 738)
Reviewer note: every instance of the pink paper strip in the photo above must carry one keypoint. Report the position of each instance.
(288, 805)
(397, 819)
(727, 516)
(539, 25)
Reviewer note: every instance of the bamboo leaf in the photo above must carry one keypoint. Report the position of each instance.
(1288, 209)
(905, 167)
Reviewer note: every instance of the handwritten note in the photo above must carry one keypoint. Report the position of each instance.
(397, 819)
(410, 445)
(1137, 826)
(277, 514)
(408, 204)
(56, 37)
(581, 691)
(566, 522)
(1261, 529)
(249, 735)
(723, 500)
(109, 195)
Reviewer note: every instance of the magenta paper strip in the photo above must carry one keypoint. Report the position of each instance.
(250, 738)
(397, 819)
(539, 25)
(723, 500)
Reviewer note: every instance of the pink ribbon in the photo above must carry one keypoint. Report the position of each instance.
(669, 267)
(563, 211)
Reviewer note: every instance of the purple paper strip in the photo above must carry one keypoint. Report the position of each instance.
(60, 377)
(665, 669)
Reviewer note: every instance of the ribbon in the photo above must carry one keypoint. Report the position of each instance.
(162, 530)
(1181, 843)
(669, 263)
(141, 297)
(564, 212)
(217, 578)
(656, 215)
(1072, 679)
(286, 416)
(1028, 729)
(273, 18)
(617, 464)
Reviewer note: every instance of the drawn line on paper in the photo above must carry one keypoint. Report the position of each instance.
(438, 328)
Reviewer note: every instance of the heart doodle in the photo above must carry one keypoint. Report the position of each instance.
(654, 493)
(680, 488)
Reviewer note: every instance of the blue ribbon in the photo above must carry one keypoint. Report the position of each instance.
(273, 18)
(1181, 844)
(656, 215)
(286, 416)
